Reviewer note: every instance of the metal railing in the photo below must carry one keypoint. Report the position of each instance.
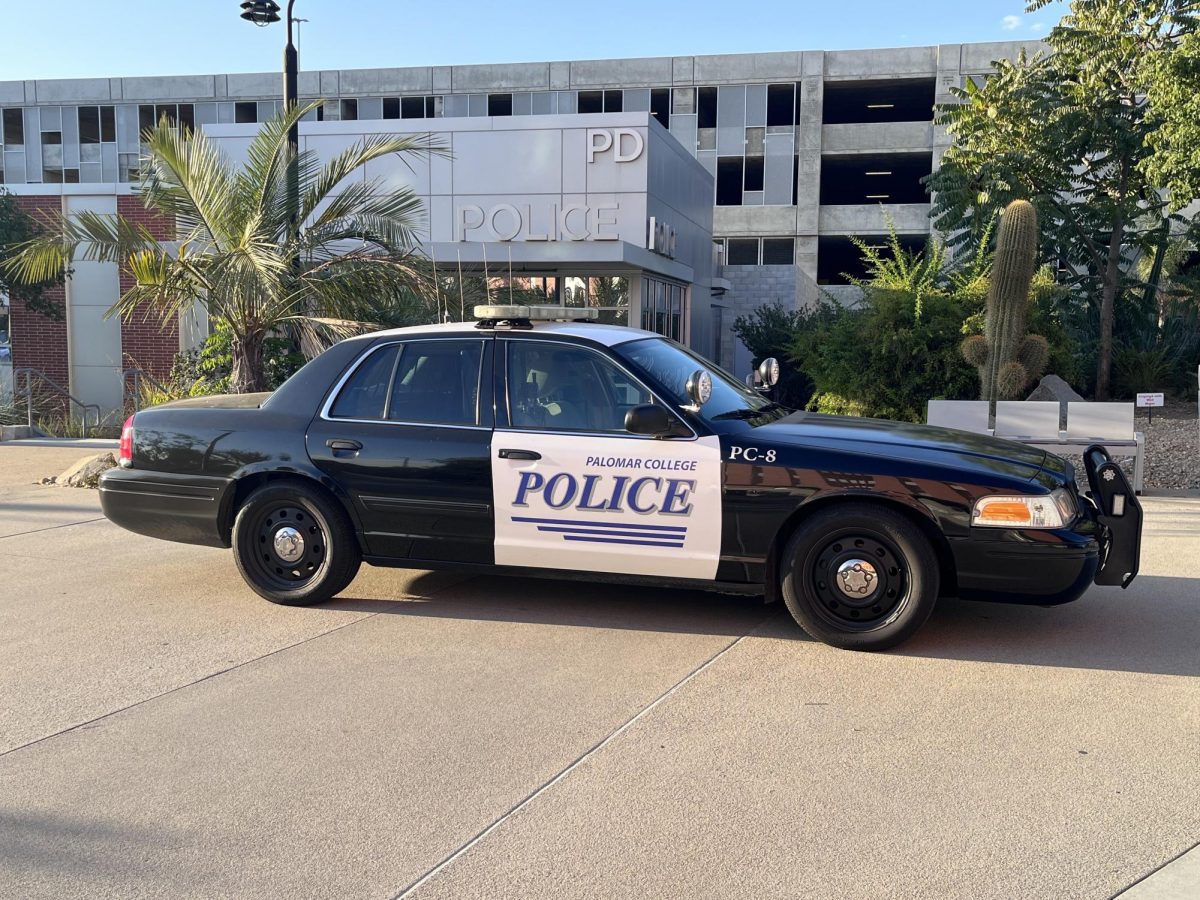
(131, 387)
(31, 375)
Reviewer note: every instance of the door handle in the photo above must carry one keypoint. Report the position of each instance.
(337, 444)
(520, 454)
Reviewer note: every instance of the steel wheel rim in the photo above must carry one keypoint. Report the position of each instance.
(845, 597)
(289, 546)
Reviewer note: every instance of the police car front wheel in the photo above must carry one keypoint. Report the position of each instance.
(294, 544)
(859, 576)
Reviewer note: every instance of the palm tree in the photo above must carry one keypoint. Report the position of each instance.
(346, 254)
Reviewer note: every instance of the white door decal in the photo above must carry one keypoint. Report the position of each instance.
(608, 504)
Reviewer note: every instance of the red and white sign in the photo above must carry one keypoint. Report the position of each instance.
(1150, 400)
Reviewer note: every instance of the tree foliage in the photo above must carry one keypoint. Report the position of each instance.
(1068, 130)
(259, 262)
(17, 228)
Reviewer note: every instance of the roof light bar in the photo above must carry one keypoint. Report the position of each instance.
(878, 196)
(881, 106)
(877, 173)
(537, 313)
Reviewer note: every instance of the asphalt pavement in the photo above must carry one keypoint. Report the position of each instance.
(164, 732)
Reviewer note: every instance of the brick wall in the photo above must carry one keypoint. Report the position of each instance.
(36, 340)
(147, 342)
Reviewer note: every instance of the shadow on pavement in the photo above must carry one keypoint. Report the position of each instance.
(72, 848)
(1152, 628)
(573, 603)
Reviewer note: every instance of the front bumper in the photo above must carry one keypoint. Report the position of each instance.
(1050, 567)
(190, 509)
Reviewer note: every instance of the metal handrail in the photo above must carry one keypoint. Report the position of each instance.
(135, 393)
(30, 372)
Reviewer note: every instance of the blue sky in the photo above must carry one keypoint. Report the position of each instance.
(85, 38)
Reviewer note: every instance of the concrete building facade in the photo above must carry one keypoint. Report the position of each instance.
(803, 150)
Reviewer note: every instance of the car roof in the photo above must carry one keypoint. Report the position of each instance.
(609, 335)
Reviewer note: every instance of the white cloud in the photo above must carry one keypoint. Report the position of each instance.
(1037, 27)
(1010, 23)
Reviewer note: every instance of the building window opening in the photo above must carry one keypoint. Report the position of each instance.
(706, 107)
(660, 106)
(614, 101)
(89, 124)
(500, 104)
(607, 294)
(778, 251)
(754, 173)
(864, 179)
(391, 107)
(412, 107)
(14, 128)
(729, 180)
(245, 113)
(349, 110)
(591, 101)
(839, 261)
(781, 104)
(865, 102)
(664, 308)
(108, 121)
(741, 252)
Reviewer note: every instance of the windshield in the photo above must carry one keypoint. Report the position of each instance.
(671, 365)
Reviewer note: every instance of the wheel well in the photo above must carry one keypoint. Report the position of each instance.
(948, 573)
(246, 485)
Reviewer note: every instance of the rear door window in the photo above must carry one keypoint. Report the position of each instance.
(437, 383)
(364, 396)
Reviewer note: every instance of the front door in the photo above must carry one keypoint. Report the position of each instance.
(574, 490)
(407, 435)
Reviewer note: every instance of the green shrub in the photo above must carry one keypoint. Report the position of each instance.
(883, 359)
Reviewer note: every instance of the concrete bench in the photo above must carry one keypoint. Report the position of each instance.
(1035, 422)
(965, 415)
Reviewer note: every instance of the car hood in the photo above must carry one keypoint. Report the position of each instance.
(917, 442)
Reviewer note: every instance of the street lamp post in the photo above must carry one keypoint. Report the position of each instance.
(266, 12)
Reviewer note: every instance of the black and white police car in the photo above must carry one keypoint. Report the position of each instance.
(536, 440)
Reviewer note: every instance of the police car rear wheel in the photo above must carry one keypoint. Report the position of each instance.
(294, 545)
(859, 576)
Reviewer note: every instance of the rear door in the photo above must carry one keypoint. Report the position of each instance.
(407, 435)
(574, 490)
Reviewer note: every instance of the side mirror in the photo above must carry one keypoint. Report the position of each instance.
(648, 419)
(768, 372)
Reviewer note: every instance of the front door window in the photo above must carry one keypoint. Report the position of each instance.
(558, 387)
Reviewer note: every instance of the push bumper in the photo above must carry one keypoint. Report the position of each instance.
(189, 509)
(1119, 515)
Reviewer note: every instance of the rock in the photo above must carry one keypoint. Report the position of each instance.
(86, 473)
(1051, 387)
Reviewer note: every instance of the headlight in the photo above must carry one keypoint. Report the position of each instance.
(1048, 511)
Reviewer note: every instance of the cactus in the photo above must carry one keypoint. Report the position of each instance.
(1007, 358)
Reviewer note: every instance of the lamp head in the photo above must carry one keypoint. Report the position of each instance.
(260, 12)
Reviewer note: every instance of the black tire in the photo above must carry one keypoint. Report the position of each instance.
(859, 576)
(327, 555)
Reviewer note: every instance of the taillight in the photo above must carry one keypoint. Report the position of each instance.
(125, 454)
